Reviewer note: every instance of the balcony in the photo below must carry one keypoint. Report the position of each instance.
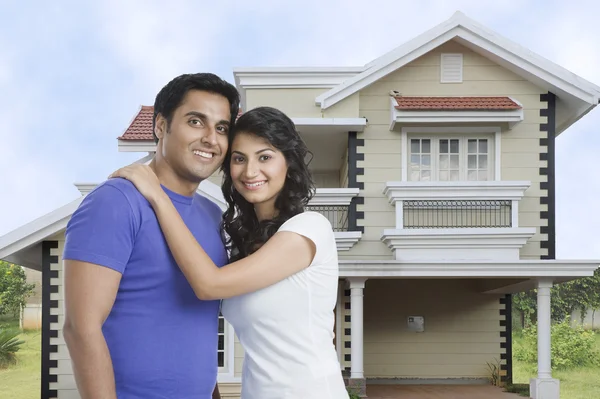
(456, 220)
(334, 204)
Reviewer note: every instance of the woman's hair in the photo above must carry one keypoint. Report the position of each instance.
(243, 233)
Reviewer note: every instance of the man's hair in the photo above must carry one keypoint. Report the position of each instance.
(171, 96)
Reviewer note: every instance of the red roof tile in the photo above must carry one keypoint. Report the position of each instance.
(455, 103)
(141, 126)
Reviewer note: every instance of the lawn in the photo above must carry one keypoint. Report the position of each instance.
(23, 379)
(580, 383)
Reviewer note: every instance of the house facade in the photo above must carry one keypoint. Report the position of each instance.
(435, 164)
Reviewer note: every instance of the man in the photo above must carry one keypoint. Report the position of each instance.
(133, 325)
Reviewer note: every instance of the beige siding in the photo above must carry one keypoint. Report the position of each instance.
(326, 179)
(343, 177)
(462, 329)
(520, 146)
(300, 103)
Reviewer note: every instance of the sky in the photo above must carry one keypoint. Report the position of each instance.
(73, 75)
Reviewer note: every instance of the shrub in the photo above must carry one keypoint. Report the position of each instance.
(9, 346)
(570, 346)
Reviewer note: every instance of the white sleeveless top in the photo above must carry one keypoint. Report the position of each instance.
(287, 329)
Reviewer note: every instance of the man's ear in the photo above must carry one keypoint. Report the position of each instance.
(160, 127)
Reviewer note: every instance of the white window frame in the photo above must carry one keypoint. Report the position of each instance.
(491, 132)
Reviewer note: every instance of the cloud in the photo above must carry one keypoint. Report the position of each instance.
(73, 75)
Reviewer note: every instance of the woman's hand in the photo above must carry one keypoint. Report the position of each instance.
(144, 179)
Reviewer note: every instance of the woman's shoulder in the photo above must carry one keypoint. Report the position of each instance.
(310, 218)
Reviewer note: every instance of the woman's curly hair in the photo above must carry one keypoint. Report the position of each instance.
(243, 233)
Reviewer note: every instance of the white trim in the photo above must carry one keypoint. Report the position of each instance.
(455, 190)
(85, 188)
(508, 54)
(457, 243)
(290, 78)
(469, 268)
(512, 117)
(326, 124)
(345, 240)
(404, 135)
(452, 129)
(333, 196)
(136, 145)
(498, 156)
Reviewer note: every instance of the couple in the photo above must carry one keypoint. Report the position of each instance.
(146, 260)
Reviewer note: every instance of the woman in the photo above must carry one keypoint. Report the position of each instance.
(282, 283)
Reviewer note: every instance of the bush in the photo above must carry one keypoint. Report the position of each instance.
(570, 346)
(9, 346)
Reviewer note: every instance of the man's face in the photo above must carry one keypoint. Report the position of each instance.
(196, 142)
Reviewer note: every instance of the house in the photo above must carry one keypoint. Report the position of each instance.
(436, 165)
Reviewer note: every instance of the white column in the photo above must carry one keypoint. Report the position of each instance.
(543, 329)
(515, 214)
(399, 214)
(544, 386)
(357, 285)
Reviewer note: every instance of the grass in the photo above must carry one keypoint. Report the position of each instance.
(578, 383)
(23, 379)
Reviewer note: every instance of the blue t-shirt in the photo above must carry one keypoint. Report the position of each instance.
(162, 339)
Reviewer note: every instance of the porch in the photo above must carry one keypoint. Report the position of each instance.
(438, 392)
(406, 322)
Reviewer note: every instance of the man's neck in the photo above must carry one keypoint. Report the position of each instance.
(170, 180)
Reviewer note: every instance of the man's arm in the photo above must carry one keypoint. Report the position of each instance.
(216, 393)
(90, 292)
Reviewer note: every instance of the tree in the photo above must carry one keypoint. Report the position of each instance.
(14, 289)
(582, 294)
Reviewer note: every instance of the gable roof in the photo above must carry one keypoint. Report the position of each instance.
(455, 103)
(576, 95)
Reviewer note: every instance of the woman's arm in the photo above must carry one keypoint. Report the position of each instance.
(283, 255)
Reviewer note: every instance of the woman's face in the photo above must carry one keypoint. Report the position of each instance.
(258, 171)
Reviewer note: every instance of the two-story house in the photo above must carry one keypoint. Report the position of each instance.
(435, 164)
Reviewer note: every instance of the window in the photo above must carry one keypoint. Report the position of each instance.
(450, 159)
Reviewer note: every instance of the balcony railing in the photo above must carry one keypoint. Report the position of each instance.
(443, 205)
(334, 204)
(337, 215)
(457, 214)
